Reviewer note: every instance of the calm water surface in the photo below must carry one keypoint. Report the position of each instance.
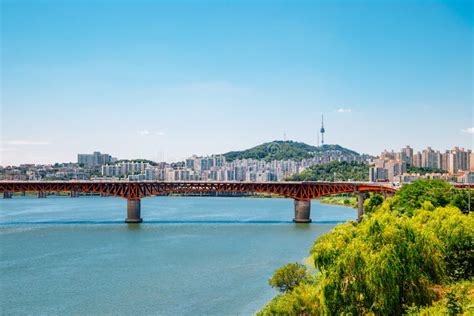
(191, 256)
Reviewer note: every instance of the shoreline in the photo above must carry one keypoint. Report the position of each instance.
(339, 201)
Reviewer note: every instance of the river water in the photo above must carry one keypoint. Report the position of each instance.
(191, 256)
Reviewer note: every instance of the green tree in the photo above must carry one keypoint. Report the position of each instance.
(411, 197)
(373, 202)
(423, 170)
(288, 277)
(400, 259)
(387, 264)
(303, 300)
(460, 199)
(456, 233)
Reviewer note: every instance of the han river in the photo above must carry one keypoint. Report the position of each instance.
(191, 256)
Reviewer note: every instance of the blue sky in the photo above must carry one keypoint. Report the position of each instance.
(167, 79)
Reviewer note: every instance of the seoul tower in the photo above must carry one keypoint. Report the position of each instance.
(322, 130)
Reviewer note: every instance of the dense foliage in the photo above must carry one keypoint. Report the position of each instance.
(284, 150)
(373, 202)
(334, 171)
(423, 170)
(437, 192)
(288, 277)
(413, 254)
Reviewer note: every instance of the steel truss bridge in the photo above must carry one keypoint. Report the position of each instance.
(134, 191)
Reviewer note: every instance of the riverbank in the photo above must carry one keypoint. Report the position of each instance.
(347, 201)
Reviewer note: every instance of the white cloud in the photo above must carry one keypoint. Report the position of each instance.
(342, 110)
(26, 142)
(469, 130)
(147, 133)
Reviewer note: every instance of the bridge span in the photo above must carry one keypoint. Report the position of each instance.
(301, 192)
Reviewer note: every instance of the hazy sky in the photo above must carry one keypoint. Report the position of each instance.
(154, 79)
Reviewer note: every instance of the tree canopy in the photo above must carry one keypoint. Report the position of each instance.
(284, 150)
(423, 170)
(412, 254)
(288, 277)
(334, 171)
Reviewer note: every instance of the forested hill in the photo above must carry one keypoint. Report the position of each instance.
(285, 150)
(334, 171)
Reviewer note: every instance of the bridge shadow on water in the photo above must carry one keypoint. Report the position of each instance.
(160, 222)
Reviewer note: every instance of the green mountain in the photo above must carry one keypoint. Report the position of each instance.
(284, 150)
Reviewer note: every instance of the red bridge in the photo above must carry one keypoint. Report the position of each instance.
(301, 192)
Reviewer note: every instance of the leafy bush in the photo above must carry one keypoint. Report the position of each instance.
(288, 277)
(460, 199)
(456, 232)
(457, 299)
(411, 197)
(385, 264)
(373, 202)
(303, 300)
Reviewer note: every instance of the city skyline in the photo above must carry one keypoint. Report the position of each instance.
(110, 159)
(404, 166)
(173, 80)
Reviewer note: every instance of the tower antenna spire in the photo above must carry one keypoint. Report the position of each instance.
(322, 129)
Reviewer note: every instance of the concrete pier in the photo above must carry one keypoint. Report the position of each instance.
(302, 211)
(74, 194)
(133, 212)
(360, 206)
(42, 194)
(7, 195)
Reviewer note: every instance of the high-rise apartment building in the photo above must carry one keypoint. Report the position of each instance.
(407, 154)
(430, 158)
(458, 160)
(417, 160)
(94, 159)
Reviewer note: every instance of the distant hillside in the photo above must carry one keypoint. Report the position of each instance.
(334, 171)
(284, 150)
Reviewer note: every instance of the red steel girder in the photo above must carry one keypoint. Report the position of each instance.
(138, 190)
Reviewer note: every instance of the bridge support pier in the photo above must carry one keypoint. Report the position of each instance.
(74, 194)
(7, 195)
(302, 211)
(133, 211)
(41, 194)
(360, 206)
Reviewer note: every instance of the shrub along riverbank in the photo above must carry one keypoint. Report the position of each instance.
(412, 254)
